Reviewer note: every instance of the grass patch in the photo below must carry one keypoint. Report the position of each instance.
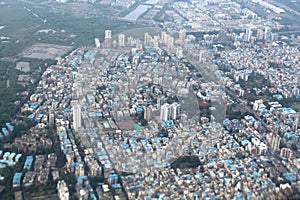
(21, 26)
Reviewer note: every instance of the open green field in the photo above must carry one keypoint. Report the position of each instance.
(18, 26)
(24, 23)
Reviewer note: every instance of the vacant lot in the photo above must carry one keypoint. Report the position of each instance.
(45, 51)
(23, 66)
(126, 125)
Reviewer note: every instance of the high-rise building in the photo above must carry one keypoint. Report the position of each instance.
(170, 111)
(201, 53)
(51, 117)
(121, 40)
(260, 34)
(63, 192)
(155, 42)
(147, 39)
(275, 141)
(268, 33)
(107, 38)
(179, 52)
(165, 112)
(182, 35)
(248, 34)
(79, 170)
(286, 152)
(76, 114)
(296, 122)
(97, 43)
(170, 43)
(176, 110)
(108, 34)
(164, 37)
(148, 113)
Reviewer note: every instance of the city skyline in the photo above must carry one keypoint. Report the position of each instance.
(149, 99)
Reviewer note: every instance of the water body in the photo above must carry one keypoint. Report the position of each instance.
(152, 2)
(135, 14)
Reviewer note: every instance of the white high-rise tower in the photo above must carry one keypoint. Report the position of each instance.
(182, 36)
(97, 43)
(76, 108)
(201, 53)
(170, 111)
(108, 34)
(121, 40)
(107, 38)
(63, 191)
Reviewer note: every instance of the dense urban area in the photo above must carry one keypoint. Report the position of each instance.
(149, 99)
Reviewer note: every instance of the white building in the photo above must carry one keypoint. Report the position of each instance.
(97, 43)
(165, 112)
(76, 108)
(170, 111)
(63, 191)
(182, 35)
(164, 37)
(179, 52)
(176, 110)
(107, 38)
(170, 43)
(267, 33)
(121, 40)
(201, 54)
(275, 141)
(148, 113)
(108, 34)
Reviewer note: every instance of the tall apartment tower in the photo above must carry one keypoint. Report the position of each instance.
(176, 110)
(147, 39)
(76, 108)
(170, 111)
(97, 43)
(164, 37)
(148, 113)
(267, 33)
(179, 52)
(165, 112)
(275, 141)
(156, 42)
(121, 40)
(51, 118)
(296, 122)
(201, 54)
(170, 43)
(63, 191)
(108, 34)
(182, 35)
(248, 34)
(107, 38)
(286, 152)
(260, 34)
